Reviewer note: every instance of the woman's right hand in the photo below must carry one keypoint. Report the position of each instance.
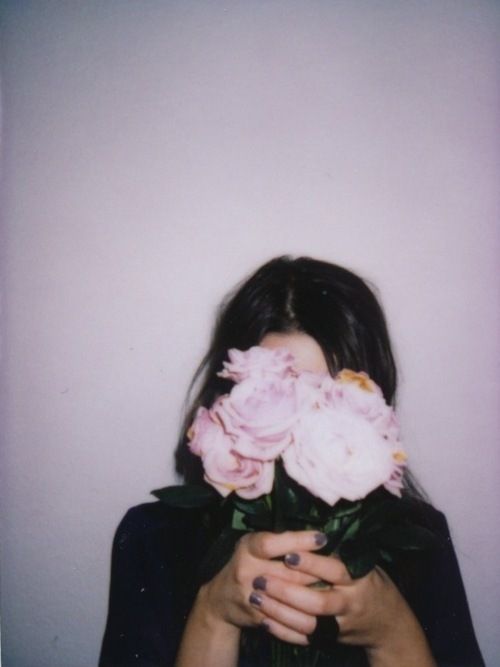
(229, 598)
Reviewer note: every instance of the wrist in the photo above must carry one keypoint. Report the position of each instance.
(208, 614)
(208, 640)
(405, 639)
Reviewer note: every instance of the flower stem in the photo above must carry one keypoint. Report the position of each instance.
(278, 519)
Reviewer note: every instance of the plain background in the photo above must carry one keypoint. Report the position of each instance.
(154, 153)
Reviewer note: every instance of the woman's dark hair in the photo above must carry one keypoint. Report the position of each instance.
(329, 303)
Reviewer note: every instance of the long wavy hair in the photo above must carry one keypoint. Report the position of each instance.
(329, 303)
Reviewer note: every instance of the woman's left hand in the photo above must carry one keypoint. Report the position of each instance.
(370, 611)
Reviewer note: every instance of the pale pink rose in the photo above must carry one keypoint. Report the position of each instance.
(337, 436)
(331, 390)
(323, 389)
(202, 431)
(338, 453)
(311, 387)
(259, 413)
(359, 378)
(362, 395)
(387, 425)
(257, 362)
(224, 469)
(307, 387)
(227, 471)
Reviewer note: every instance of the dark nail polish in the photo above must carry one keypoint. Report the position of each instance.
(265, 626)
(320, 539)
(259, 583)
(292, 559)
(255, 599)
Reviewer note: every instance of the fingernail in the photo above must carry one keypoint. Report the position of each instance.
(265, 626)
(259, 583)
(321, 539)
(255, 599)
(292, 559)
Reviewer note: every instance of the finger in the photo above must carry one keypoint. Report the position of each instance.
(327, 568)
(272, 545)
(279, 570)
(283, 633)
(313, 602)
(292, 618)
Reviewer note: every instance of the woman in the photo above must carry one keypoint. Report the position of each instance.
(162, 614)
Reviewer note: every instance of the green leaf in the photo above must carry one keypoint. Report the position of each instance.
(361, 564)
(352, 530)
(345, 508)
(305, 519)
(290, 497)
(386, 555)
(187, 496)
(238, 521)
(259, 521)
(257, 506)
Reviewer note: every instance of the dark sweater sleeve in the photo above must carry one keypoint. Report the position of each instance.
(440, 603)
(148, 599)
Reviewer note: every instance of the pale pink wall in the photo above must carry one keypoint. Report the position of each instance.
(154, 153)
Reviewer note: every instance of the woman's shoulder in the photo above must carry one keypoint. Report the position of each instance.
(437, 594)
(153, 582)
(155, 521)
(147, 516)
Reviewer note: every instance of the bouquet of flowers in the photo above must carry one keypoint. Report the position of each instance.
(293, 450)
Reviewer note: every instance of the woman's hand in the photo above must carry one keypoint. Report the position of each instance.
(228, 602)
(229, 597)
(370, 611)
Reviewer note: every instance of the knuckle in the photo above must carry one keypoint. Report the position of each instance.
(337, 566)
(262, 543)
(239, 575)
(256, 618)
(244, 542)
(310, 625)
(325, 604)
(380, 578)
(239, 567)
(355, 607)
(339, 570)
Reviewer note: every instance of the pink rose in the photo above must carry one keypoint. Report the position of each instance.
(318, 389)
(362, 394)
(338, 453)
(257, 362)
(259, 414)
(364, 397)
(388, 426)
(337, 436)
(357, 392)
(224, 469)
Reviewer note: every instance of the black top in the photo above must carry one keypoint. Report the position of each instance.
(156, 553)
